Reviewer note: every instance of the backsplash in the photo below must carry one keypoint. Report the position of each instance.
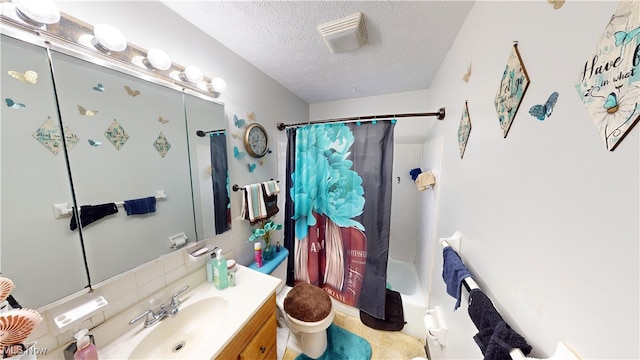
(122, 292)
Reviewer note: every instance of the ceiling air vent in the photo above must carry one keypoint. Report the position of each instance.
(345, 34)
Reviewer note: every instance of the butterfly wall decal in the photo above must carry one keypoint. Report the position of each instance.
(557, 4)
(28, 77)
(94, 143)
(14, 105)
(623, 37)
(236, 135)
(86, 112)
(251, 116)
(99, 88)
(162, 120)
(251, 167)
(238, 154)
(131, 92)
(238, 122)
(467, 75)
(543, 111)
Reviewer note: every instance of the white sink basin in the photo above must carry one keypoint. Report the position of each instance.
(188, 334)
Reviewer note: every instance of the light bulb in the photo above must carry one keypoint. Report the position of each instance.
(37, 12)
(217, 86)
(191, 74)
(108, 38)
(157, 59)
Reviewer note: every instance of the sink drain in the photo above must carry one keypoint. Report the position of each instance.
(177, 347)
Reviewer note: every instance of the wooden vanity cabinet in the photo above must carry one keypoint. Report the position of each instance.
(257, 340)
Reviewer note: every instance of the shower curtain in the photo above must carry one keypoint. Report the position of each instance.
(220, 182)
(338, 210)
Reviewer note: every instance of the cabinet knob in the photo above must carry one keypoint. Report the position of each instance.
(262, 349)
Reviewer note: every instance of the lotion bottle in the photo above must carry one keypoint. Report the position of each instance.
(220, 275)
(86, 350)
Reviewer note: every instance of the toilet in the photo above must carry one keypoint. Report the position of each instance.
(309, 337)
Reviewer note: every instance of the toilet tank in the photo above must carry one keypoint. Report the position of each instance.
(276, 267)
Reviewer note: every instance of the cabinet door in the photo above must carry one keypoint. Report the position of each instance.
(263, 345)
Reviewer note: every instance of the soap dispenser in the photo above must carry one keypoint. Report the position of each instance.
(220, 275)
(86, 350)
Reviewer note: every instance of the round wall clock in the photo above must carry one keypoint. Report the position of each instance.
(256, 140)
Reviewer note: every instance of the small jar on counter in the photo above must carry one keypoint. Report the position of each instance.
(231, 272)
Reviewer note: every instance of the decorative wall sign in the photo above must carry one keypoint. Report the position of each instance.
(513, 85)
(49, 135)
(543, 111)
(162, 145)
(116, 134)
(464, 129)
(609, 81)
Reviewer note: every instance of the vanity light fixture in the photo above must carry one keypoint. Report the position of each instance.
(217, 86)
(157, 59)
(191, 74)
(37, 12)
(107, 38)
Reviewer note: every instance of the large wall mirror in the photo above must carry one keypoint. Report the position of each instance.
(133, 172)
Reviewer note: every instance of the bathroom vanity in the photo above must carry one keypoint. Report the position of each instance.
(235, 323)
(257, 340)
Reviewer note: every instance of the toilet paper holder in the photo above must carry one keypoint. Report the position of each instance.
(178, 240)
(436, 326)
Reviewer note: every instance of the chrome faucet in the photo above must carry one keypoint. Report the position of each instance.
(162, 312)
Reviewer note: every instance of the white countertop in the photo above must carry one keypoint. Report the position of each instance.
(251, 291)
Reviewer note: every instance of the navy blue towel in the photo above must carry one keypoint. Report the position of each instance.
(495, 337)
(140, 206)
(414, 173)
(481, 310)
(453, 272)
(91, 213)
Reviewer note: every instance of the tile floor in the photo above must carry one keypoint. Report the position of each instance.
(385, 345)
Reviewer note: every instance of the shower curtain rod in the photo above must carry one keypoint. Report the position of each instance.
(440, 114)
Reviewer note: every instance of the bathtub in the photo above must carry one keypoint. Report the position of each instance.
(403, 278)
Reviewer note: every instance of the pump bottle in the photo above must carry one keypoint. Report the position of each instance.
(86, 350)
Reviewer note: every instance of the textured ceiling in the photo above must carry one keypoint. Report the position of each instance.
(408, 40)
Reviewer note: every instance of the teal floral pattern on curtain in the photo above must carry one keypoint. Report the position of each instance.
(338, 243)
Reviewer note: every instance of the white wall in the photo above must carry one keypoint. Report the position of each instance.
(149, 24)
(549, 216)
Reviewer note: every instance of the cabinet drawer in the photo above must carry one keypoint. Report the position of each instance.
(263, 343)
